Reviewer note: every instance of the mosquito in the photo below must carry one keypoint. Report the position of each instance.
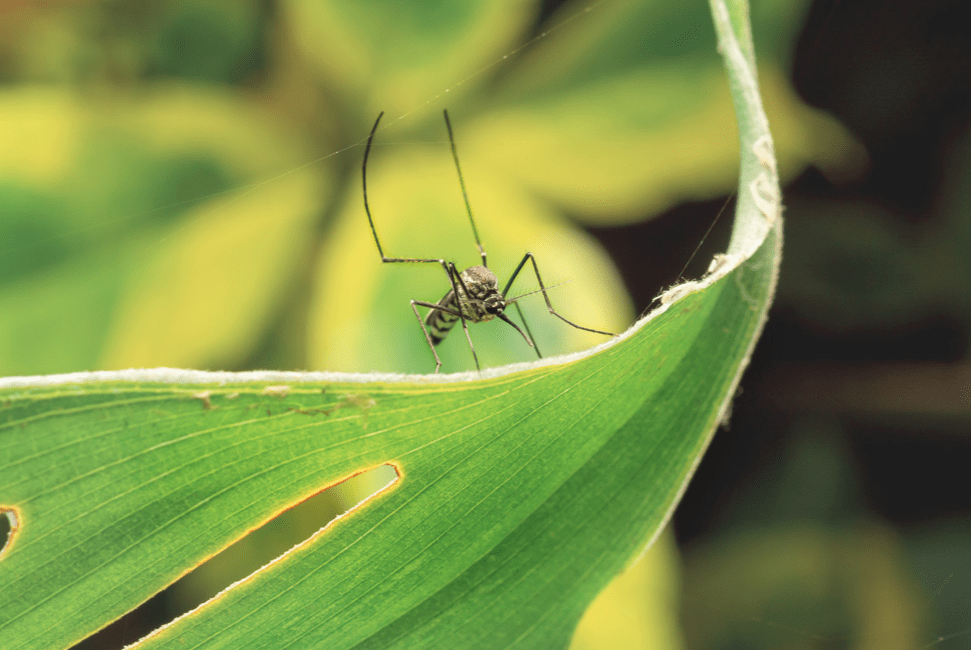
(474, 296)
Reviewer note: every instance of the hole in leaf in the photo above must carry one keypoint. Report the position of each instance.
(243, 558)
(9, 525)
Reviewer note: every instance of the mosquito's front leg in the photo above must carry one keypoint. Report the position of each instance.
(529, 257)
(468, 338)
(530, 339)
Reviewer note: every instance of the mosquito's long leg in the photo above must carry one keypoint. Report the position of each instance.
(468, 338)
(532, 338)
(370, 219)
(529, 258)
(367, 209)
(438, 362)
(439, 307)
(458, 304)
(465, 195)
(453, 276)
(436, 307)
(450, 269)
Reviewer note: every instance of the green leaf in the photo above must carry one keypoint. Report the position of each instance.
(522, 490)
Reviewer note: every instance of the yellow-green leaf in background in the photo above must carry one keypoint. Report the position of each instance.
(213, 284)
(405, 53)
(130, 234)
(612, 113)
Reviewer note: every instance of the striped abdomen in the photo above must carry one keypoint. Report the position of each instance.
(440, 323)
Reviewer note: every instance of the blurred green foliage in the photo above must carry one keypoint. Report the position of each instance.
(861, 267)
(798, 563)
(179, 182)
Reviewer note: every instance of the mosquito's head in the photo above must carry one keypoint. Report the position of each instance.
(478, 287)
(494, 303)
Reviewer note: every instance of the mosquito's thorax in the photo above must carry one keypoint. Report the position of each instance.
(483, 302)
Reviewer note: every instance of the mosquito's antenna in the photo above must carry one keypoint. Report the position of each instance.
(510, 301)
(367, 150)
(465, 195)
(711, 226)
